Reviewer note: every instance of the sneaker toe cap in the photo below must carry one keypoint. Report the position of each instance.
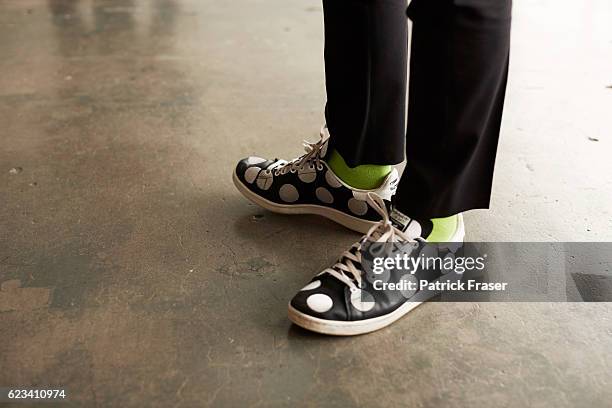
(243, 166)
(323, 299)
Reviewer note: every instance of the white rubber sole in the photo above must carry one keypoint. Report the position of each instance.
(348, 221)
(344, 328)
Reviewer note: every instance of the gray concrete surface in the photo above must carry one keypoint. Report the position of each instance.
(134, 274)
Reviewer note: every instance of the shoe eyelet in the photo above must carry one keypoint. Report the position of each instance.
(320, 167)
(293, 171)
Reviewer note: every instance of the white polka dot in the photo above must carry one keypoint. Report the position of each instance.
(251, 173)
(254, 160)
(332, 180)
(324, 195)
(264, 181)
(312, 285)
(288, 193)
(429, 251)
(362, 300)
(414, 229)
(307, 174)
(319, 302)
(382, 276)
(408, 293)
(357, 207)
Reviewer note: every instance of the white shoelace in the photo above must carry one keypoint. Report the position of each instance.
(311, 159)
(382, 232)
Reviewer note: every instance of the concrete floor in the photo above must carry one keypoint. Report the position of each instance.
(133, 273)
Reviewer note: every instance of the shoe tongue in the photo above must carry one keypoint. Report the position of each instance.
(324, 149)
(414, 228)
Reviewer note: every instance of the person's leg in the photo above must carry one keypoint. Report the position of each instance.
(458, 72)
(365, 68)
(457, 81)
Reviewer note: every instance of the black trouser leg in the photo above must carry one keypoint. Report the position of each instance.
(365, 68)
(458, 72)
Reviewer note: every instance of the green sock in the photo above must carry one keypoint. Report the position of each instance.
(364, 177)
(443, 229)
(370, 176)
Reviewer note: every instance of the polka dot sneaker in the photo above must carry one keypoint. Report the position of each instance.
(350, 299)
(307, 185)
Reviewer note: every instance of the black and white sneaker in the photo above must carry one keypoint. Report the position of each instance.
(307, 185)
(349, 298)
